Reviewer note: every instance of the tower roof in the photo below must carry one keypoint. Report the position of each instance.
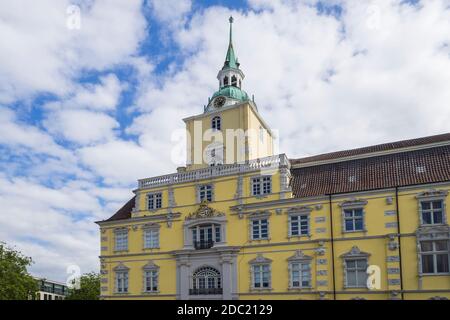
(230, 60)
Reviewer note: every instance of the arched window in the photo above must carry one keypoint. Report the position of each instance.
(216, 123)
(206, 280)
(225, 81)
(234, 81)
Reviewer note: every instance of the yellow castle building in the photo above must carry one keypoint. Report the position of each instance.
(242, 222)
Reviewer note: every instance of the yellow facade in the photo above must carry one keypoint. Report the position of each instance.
(279, 247)
(204, 218)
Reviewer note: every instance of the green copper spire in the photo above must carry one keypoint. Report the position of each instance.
(230, 59)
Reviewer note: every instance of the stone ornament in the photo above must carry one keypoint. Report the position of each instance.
(204, 211)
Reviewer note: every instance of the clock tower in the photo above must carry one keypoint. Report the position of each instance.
(230, 129)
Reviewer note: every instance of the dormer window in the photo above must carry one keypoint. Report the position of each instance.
(216, 123)
(234, 81)
(225, 81)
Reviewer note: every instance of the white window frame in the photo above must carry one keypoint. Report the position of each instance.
(121, 244)
(434, 253)
(156, 198)
(259, 225)
(299, 217)
(357, 271)
(353, 218)
(216, 123)
(121, 279)
(301, 274)
(431, 211)
(430, 196)
(260, 183)
(150, 277)
(150, 234)
(202, 192)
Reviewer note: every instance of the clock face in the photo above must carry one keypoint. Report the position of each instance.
(219, 101)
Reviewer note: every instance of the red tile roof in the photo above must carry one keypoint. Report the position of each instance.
(124, 212)
(376, 148)
(428, 165)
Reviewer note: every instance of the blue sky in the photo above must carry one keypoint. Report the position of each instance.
(86, 112)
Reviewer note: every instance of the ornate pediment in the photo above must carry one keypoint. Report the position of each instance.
(150, 266)
(299, 255)
(121, 267)
(433, 232)
(260, 259)
(299, 209)
(355, 252)
(353, 202)
(204, 211)
(432, 193)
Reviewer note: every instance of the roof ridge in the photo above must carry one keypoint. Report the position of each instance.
(374, 149)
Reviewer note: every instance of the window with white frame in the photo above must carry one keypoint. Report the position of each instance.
(204, 236)
(260, 229)
(300, 274)
(261, 134)
(299, 225)
(151, 238)
(355, 272)
(432, 212)
(205, 192)
(121, 239)
(154, 201)
(261, 276)
(151, 280)
(261, 185)
(434, 256)
(216, 123)
(122, 281)
(354, 219)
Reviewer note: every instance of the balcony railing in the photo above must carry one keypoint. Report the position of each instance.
(267, 163)
(205, 291)
(203, 244)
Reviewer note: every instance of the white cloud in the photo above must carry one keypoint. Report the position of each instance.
(103, 96)
(123, 162)
(171, 11)
(13, 133)
(81, 126)
(316, 78)
(40, 54)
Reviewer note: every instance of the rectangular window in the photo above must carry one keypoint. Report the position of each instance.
(151, 281)
(261, 276)
(435, 256)
(261, 185)
(151, 238)
(260, 229)
(205, 192)
(432, 212)
(353, 220)
(154, 201)
(356, 275)
(300, 275)
(217, 234)
(122, 282)
(121, 240)
(299, 225)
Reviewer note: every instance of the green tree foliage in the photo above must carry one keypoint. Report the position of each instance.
(89, 288)
(15, 281)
